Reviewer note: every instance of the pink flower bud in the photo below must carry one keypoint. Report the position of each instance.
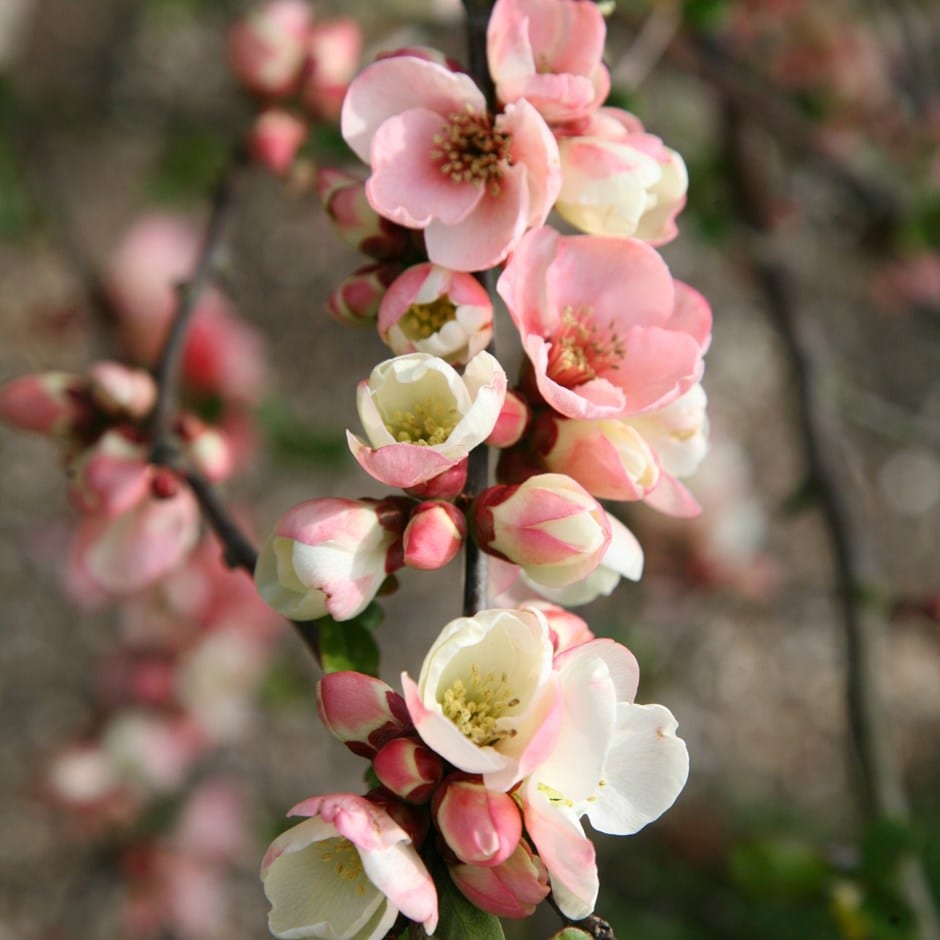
(549, 525)
(111, 477)
(329, 556)
(433, 536)
(409, 769)
(356, 300)
(275, 138)
(513, 889)
(446, 485)
(266, 48)
(206, 447)
(565, 629)
(434, 310)
(361, 711)
(45, 402)
(121, 390)
(333, 51)
(511, 423)
(356, 222)
(480, 826)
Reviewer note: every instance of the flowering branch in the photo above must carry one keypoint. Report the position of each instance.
(879, 775)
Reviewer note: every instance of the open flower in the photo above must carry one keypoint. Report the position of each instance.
(619, 180)
(432, 310)
(486, 699)
(440, 162)
(618, 763)
(347, 871)
(607, 330)
(549, 52)
(422, 418)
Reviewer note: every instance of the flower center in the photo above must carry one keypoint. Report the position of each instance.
(580, 350)
(423, 320)
(344, 858)
(470, 149)
(476, 706)
(429, 423)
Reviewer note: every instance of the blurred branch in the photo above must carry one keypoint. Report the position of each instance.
(879, 774)
(648, 47)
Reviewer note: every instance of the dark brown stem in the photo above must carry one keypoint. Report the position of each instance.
(879, 776)
(596, 926)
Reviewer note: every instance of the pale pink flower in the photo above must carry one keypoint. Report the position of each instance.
(618, 763)
(346, 872)
(121, 390)
(500, 660)
(275, 138)
(549, 525)
(549, 52)
(361, 711)
(513, 888)
(112, 476)
(422, 418)
(409, 769)
(440, 162)
(433, 310)
(435, 533)
(607, 330)
(329, 556)
(619, 180)
(333, 51)
(266, 49)
(480, 826)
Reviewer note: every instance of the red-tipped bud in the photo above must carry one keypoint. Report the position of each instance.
(480, 826)
(446, 485)
(120, 390)
(45, 402)
(409, 769)
(511, 423)
(356, 300)
(434, 534)
(207, 447)
(275, 138)
(356, 222)
(266, 49)
(513, 889)
(362, 712)
(333, 52)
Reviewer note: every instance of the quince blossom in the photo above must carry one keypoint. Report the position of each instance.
(619, 180)
(549, 52)
(608, 331)
(422, 418)
(440, 162)
(347, 871)
(486, 697)
(616, 762)
(513, 888)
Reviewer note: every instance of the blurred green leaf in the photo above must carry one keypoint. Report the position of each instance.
(191, 164)
(459, 919)
(292, 439)
(704, 15)
(571, 933)
(284, 685)
(350, 644)
(884, 843)
(780, 869)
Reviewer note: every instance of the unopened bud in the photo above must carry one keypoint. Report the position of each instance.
(356, 300)
(511, 423)
(434, 534)
(45, 402)
(275, 138)
(333, 52)
(512, 889)
(409, 768)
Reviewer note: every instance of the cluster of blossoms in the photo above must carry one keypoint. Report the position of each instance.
(520, 722)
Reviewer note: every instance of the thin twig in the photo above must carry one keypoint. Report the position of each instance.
(879, 775)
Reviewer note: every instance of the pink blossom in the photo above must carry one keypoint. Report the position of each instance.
(500, 660)
(408, 769)
(435, 533)
(266, 48)
(333, 51)
(549, 52)
(549, 525)
(356, 299)
(513, 888)
(275, 138)
(121, 390)
(422, 418)
(607, 330)
(480, 826)
(45, 402)
(361, 711)
(512, 422)
(473, 182)
(112, 476)
(345, 872)
(329, 556)
(619, 180)
(618, 763)
(432, 310)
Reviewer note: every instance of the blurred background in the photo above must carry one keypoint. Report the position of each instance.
(146, 768)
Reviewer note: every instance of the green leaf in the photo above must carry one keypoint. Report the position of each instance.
(350, 644)
(459, 919)
(191, 164)
(571, 933)
(292, 439)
